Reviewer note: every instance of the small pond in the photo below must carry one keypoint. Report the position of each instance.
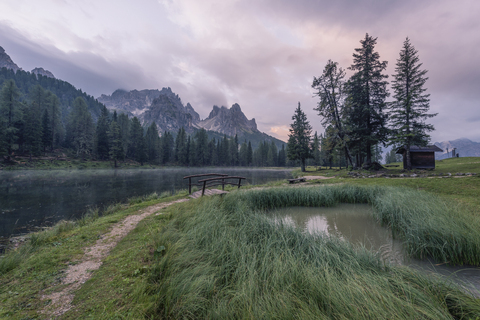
(37, 198)
(355, 223)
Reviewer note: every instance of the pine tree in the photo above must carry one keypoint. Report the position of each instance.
(55, 126)
(11, 113)
(367, 89)
(81, 128)
(137, 149)
(47, 138)
(115, 143)
(298, 146)
(330, 88)
(201, 141)
(152, 143)
(33, 122)
(249, 154)
(282, 157)
(316, 150)
(409, 110)
(181, 153)
(124, 125)
(101, 135)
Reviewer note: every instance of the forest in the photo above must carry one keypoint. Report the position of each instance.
(40, 114)
(356, 115)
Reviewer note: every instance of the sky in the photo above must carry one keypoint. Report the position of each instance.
(261, 54)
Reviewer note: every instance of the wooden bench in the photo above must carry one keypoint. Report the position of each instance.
(217, 181)
(292, 181)
(190, 184)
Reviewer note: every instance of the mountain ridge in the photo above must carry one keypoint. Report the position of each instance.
(464, 147)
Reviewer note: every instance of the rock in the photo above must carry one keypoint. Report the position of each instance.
(43, 72)
(414, 175)
(7, 62)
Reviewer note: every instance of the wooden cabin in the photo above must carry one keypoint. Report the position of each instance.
(421, 157)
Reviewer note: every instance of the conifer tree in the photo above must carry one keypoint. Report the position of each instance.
(81, 128)
(124, 125)
(249, 154)
(367, 89)
(11, 113)
(152, 143)
(282, 157)
(411, 104)
(298, 146)
(47, 138)
(330, 88)
(115, 143)
(181, 153)
(316, 150)
(101, 135)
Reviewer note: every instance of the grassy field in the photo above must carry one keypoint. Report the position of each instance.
(222, 258)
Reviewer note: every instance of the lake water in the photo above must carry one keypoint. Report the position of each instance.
(30, 199)
(355, 223)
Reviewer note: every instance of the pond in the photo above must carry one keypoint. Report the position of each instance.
(30, 199)
(356, 224)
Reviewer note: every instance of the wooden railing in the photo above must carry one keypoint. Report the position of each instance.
(216, 180)
(190, 184)
(220, 181)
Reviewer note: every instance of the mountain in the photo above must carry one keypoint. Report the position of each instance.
(7, 62)
(166, 109)
(228, 121)
(25, 80)
(42, 72)
(464, 147)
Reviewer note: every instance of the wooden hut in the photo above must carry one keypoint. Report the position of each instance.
(421, 157)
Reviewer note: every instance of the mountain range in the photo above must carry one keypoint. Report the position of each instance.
(163, 107)
(464, 147)
(167, 110)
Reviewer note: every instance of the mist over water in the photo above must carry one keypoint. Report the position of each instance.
(30, 199)
(356, 224)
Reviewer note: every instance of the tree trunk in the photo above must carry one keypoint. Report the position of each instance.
(303, 165)
(409, 158)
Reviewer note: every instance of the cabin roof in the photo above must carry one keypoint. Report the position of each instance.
(431, 148)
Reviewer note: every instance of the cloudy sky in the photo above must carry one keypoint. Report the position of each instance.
(261, 54)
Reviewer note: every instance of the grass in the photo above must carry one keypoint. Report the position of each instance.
(222, 258)
(225, 259)
(27, 272)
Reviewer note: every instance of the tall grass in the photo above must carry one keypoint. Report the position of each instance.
(225, 259)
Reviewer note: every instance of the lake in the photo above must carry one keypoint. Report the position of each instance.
(30, 199)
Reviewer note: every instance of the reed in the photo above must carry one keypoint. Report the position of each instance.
(225, 259)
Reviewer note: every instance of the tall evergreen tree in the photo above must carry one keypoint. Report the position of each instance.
(181, 153)
(282, 157)
(81, 129)
(298, 146)
(124, 125)
(115, 143)
(47, 138)
(11, 113)
(316, 150)
(367, 89)
(152, 143)
(330, 88)
(101, 135)
(55, 126)
(137, 149)
(201, 141)
(411, 104)
(249, 154)
(33, 122)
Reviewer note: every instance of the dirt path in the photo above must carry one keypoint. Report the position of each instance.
(78, 274)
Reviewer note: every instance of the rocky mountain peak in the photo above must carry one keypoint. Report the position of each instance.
(7, 62)
(43, 72)
(228, 121)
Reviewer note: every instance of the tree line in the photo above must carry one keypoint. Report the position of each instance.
(356, 115)
(33, 126)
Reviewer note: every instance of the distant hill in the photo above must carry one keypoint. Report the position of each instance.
(464, 147)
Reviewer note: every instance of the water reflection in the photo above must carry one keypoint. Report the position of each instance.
(355, 223)
(29, 199)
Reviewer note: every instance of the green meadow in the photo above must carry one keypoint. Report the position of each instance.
(223, 258)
